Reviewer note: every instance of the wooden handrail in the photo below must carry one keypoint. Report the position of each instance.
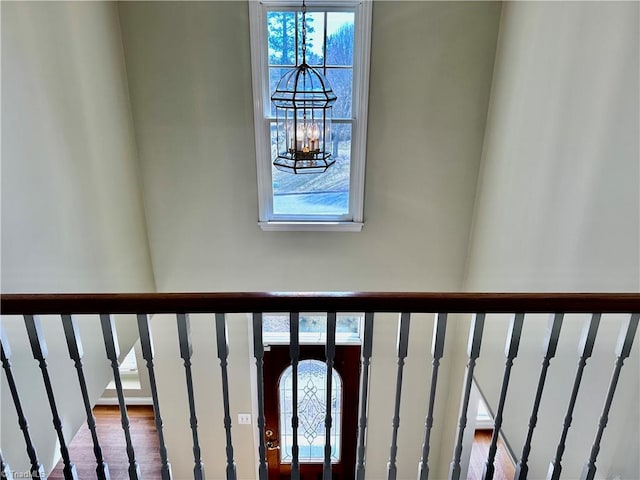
(122, 303)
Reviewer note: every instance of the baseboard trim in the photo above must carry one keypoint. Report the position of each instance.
(127, 401)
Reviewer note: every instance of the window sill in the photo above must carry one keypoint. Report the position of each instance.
(311, 226)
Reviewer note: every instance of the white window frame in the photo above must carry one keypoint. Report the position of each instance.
(354, 220)
(316, 338)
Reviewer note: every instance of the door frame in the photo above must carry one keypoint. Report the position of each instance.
(253, 376)
(347, 365)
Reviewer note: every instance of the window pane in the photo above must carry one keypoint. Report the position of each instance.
(274, 140)
(315, 38)
(282, 38)
(129, 364)
(340, 28)
(128, 371)
(341, 81)
(312, 408)
(313, 328)
(275, 74)
(317, 194)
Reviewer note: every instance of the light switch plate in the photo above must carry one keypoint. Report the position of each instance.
(244, 419)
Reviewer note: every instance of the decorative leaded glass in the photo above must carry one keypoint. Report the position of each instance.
(312, 397)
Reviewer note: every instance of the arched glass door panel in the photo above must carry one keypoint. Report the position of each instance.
(312, 397)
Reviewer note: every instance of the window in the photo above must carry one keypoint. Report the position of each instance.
(128, 369)
(338, 39)
(312, 408)
(312, 329)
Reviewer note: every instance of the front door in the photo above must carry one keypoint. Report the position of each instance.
(311, 411)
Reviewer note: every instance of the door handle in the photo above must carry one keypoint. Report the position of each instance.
(272, 444)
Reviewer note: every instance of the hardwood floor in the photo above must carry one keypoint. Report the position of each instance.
(504, 468)
(145, 442)
(111, 437)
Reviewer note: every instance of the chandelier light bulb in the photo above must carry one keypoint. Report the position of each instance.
(300, 136)
(313, 133)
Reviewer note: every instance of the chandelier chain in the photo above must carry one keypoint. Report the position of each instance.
(304, 32)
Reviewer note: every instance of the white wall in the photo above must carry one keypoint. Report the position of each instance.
(189, 73)
(190, 79)
(558, 206)
(72, 217)
(558, 210)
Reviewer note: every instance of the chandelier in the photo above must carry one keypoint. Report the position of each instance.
(304, 101)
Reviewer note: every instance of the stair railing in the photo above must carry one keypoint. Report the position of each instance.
(30, 306)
